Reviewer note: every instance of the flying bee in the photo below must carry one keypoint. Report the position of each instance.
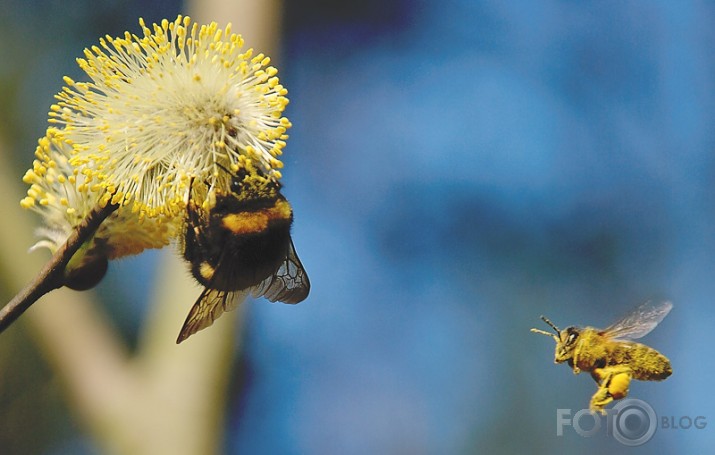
(609, 355)
(239, 243)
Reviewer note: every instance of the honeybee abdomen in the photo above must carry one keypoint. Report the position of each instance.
(646, 363)
(654, 367)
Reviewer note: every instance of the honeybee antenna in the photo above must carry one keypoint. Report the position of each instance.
(550, 335)
(552, 325)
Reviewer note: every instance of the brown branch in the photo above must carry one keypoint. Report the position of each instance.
(52, 275)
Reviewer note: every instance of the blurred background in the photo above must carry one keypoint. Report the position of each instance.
(457, 169)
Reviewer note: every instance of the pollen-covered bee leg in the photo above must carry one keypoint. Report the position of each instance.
(613, 383)
(618, 388)
(574, 362)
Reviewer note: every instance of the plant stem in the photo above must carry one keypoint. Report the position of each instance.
(52, 275)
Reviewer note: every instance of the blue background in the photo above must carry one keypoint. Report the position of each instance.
(458, 168)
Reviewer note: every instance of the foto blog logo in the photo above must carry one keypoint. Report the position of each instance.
(631, 422)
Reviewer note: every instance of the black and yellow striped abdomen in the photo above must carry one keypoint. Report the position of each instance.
(241, 243)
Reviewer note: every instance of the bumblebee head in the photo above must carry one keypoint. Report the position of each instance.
(251, 183)
(565, 340)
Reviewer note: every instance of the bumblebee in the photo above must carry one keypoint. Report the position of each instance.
(609, 355)
(240, 244)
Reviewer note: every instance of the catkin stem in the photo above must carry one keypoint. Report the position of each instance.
(52, 275)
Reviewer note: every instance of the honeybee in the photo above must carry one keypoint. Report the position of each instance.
(609, 355)
(239, 245)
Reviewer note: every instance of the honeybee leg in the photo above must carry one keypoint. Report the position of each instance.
(613, 383)
(574, 363)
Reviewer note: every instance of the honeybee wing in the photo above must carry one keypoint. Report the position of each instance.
(639, 321)
(289, 284)
(211, 304)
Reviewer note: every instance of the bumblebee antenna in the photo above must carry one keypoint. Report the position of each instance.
(552, 325)
(224, 168)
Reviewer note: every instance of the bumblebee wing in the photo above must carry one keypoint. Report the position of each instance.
(211, 304)
(640, 321)
(289, 284)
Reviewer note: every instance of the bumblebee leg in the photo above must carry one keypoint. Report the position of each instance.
(613, 384)
(195, 237)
